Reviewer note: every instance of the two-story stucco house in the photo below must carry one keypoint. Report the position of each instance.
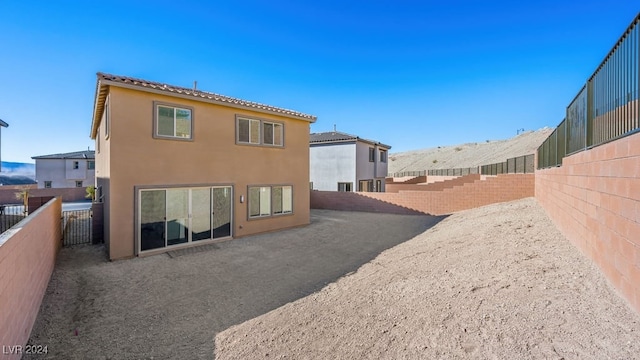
(344, 162)
(178, 167)
(74, 169)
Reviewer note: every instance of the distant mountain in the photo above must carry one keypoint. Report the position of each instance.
(15, 180)
(15, 173)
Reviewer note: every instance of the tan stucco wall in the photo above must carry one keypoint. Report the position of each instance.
(135, 158)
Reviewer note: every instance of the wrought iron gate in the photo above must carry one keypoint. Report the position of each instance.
(76, 227)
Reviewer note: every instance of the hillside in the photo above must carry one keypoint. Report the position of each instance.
(468, 155)
(14, 173)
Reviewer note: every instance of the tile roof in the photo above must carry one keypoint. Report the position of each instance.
(336, 136)
(104, 80)
(85, 154)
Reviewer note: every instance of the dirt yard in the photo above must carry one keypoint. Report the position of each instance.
(172, 306)
(498, 282)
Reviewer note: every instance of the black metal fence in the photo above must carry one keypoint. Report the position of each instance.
(607, 106)
(11, 215)
(517, 165)
(454, 172)
(76, 227)
(408, 173)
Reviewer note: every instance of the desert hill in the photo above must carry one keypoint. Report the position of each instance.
(468, 155)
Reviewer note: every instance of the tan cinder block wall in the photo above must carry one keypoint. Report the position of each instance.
(137, 159)
(27, 256)
(433, 186)
(494, 189)
(594, 199)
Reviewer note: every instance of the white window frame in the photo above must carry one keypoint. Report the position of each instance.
(79, 182)
(175, 107)
(264, 189)
(47, 182)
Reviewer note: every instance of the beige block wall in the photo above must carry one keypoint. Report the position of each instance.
(27, 257)
(135, 158)
(594, 199)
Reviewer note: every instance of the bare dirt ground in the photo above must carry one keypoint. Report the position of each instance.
(468, 155)
(172, 306)
(497, 282)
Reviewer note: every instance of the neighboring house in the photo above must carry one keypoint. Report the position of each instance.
(68, 170)
(178, 167)
(344, 162)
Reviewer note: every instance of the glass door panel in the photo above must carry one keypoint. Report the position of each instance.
(201, 213)
(152, 219)
(221, 212)
(177, 216)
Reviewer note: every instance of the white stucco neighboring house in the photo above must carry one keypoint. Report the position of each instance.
(74, 169)
(345, 162)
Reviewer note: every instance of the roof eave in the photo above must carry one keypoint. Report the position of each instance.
(98, 107)
(103, 83)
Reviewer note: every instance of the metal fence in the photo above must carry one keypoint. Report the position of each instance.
(11, 215)
(454, 172)
(517, 165)
(607, 106)
(76, 227)
(408, 173)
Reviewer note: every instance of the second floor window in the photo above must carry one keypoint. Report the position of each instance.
(259, 132)
(76, 165)
(372, 154)
(383, 156)
(173, 122)
(248, 131)
(91, 165)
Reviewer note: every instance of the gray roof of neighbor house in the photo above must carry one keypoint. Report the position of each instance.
(336, 136)
(106, 80)
(85, 154)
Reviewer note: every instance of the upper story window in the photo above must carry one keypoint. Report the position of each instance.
(383, 156)
(76, 165)
(173, 122)
(259, 132)
(47, 184)
(272, 133)
(91, 165)
(372, 154)
(248, 131)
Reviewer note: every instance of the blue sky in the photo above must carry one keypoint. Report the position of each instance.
(412, 74)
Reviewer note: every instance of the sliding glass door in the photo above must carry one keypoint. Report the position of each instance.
(175, 216)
